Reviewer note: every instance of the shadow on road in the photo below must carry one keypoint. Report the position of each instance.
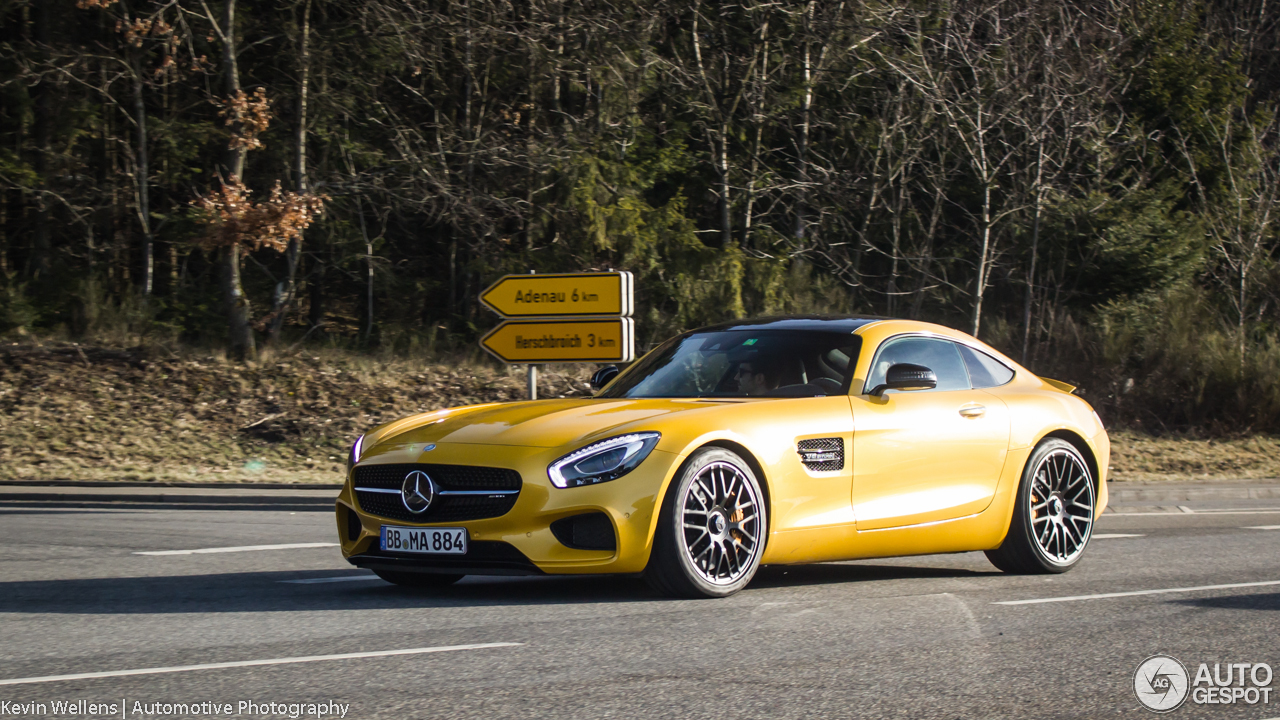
(265, 591)
(827, 573)
(1263, 601)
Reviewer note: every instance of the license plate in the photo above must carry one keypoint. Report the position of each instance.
(436, 541)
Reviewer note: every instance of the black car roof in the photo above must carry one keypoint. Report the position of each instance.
(820, 323)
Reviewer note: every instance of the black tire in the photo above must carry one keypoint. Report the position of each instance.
(719, 551)
(421, 581)
(1052, 514)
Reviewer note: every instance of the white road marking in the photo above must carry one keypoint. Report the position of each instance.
(1265, 511)
(342, 578)
(253, 663)
(1135, 593)
(242, 548)
(1108, 536)
(1186, 509)
(1263, 527)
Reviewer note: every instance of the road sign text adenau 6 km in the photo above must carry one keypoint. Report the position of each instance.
(568, 294)
(570, 317)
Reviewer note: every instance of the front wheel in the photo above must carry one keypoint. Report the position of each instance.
(1053, 514)
(420, 581)
(711, 529)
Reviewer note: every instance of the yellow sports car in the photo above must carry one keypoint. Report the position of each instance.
(768, 441)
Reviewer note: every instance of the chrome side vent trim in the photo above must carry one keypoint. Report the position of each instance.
(822, 454)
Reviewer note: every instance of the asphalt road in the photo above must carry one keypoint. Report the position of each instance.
(920, 637)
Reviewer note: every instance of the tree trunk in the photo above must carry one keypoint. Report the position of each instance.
(287, 290)
(38, 264)
(802, 144)
(368, 256)
(241, 341)
(143, 180)
(237, 306)
(1035, 248)
(726, 222)
(748, 217)
(980, 283)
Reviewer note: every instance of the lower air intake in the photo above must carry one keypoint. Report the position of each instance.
(588, 531)
(353, 525)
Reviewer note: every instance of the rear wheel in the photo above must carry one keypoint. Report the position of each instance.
(711, 529)
(422, 581)
(1053, 514)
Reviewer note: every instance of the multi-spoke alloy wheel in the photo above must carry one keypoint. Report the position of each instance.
(720, 519)
(711, 531)
(1053, 514)
(1061, 505)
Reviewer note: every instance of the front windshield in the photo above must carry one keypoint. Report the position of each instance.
(743, 363)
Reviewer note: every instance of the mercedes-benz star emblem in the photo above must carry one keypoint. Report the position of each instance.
(417, 492)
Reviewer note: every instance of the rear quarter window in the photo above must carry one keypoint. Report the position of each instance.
(984, 370)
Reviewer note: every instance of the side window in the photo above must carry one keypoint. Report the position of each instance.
(984, 370)
(940, 356)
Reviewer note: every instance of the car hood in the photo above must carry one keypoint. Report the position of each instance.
(537, 423)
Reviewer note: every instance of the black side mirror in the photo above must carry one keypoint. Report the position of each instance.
(905, 376)
(601, 377)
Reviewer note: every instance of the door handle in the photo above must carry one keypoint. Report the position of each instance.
(973, 411)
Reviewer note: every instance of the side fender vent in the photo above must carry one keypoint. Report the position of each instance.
(822, 454)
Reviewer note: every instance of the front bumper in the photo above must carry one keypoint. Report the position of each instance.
(520, 541)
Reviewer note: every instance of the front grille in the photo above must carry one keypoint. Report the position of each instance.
(822, 454)
(447, 477)
(504, 485)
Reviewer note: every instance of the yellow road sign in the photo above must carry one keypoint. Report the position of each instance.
(541, 341)
(558, 295)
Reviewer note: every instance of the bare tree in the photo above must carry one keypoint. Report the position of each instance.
(1242, 222)
(975, 88)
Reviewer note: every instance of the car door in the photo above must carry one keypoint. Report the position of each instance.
(922, 456)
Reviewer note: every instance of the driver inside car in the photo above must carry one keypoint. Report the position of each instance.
(758, 376)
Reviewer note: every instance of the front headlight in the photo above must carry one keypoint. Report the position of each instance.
(356, 451)
(602, 461)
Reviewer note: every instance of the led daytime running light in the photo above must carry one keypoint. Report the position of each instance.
(356, 451)
(644, 443)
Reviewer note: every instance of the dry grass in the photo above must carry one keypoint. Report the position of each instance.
(1142, 458)
(96, 413)
(93, 413)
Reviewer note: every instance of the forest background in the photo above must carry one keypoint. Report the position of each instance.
(1090, 187)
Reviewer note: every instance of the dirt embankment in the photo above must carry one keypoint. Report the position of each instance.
(1142, 458)
(69, 412)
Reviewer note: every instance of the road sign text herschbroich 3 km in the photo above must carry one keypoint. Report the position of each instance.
(538, 341)
(558, 295)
